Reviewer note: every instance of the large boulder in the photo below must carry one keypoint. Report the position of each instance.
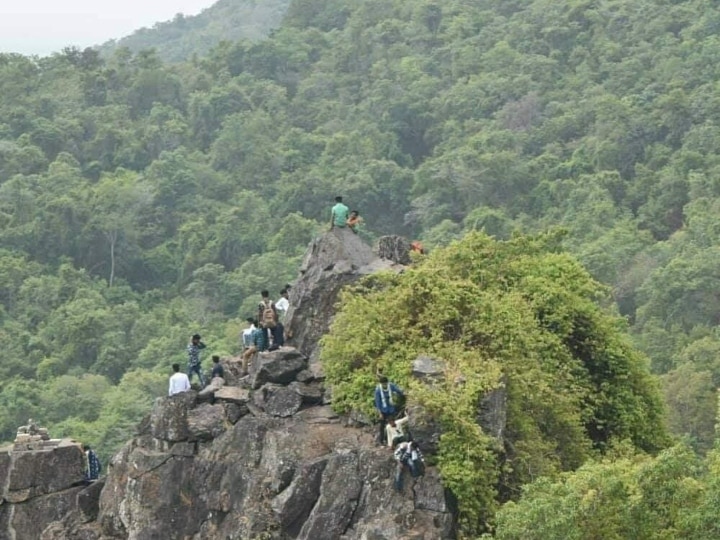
(332, 261)
(278, 367)
(278, 400)
(168, 419)
(395, 248)
(206, 422)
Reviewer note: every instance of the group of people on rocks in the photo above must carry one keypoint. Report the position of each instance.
(265, 332)
(394, 431)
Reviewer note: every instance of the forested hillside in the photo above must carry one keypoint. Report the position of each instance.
(184, 36)
(141, 202)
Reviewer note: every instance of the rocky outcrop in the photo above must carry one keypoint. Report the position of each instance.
(333, 260)
(38, 487)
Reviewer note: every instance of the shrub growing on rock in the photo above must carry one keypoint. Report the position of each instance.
(520, 314)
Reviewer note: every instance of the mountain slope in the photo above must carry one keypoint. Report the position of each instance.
(180, 38)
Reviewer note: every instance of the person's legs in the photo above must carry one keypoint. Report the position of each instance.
(247, 355)
(415, 469)
(196, 369)
(382, 434)
(279, 335)
(399, 476)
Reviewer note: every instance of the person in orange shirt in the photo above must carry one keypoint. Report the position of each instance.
(417, 247)
(354, 220)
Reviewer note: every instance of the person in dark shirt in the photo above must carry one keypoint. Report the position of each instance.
(217, 370)
(92, 464)
(193, 351)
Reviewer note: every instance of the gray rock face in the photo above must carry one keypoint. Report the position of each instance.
(395, 248)
(492, 412)
(38, 488)
(279, 367)
(206, 422)
(332, 261)
(168, 419)
(428, 369)
(278, 400)
(311, 394)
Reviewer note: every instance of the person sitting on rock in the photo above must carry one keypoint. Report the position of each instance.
(92, 464)
(193, 351)
(258, 344)
(217, 370)
(354, 220)
(339, 214)
(179, 382)
(386, 394)
(408, 454)
(417, 247)
(397, 431)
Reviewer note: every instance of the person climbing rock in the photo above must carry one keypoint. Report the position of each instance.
(386, 394)
(268, 315)
(397, 431)
(217, 369)
(339, 214)
(92, 464)
(179, 382)
(408, 454)
(193, 350)
(354, 220)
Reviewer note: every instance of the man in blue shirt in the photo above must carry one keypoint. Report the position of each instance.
(386, 402)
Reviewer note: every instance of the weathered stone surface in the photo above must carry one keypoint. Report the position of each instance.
(431, 495)
(425, 429)
(279, 367)
(215, 384)
(27, 521)
(334, 509)
(319, 415)
(233, 394)
(278, 400)
(232, 370)
(234, 412)
(492, 412)
(395, 248)
(332, 261)
(88, 501)
(32, 474)
(305, 376)
(311, 394)
(168, 419)
(428, 369)
(206, 422)
(293, 505)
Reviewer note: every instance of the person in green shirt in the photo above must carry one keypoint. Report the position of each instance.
(340, 214)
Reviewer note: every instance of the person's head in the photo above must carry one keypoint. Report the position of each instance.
(383, 379)
(284, 293)
(414, 445)
(265, 294)
(176, 368)
(196, 338)
(287, 287)
(354, 213)
(392, 423)
(250, 320)
(338, 199)
(215, 359)
(85, 447)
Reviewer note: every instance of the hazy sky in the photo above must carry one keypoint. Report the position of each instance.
(45, 26)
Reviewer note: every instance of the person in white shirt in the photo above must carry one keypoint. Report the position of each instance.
(247, 334)
(396, 432)
(179, 382)
(283, 304)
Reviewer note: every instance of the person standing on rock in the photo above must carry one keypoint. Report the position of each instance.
(339, 214)
(92, 464)
(386, 396)
(268, 315)
(193, 351)
(247, 334)
(283, 304)
(179, 382)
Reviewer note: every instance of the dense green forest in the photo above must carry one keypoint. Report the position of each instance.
(141, 202)
(183, 37)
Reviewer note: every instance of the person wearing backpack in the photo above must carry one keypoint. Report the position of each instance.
(258, 343)
(268, 316)
(408, 454)
(386, 400)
